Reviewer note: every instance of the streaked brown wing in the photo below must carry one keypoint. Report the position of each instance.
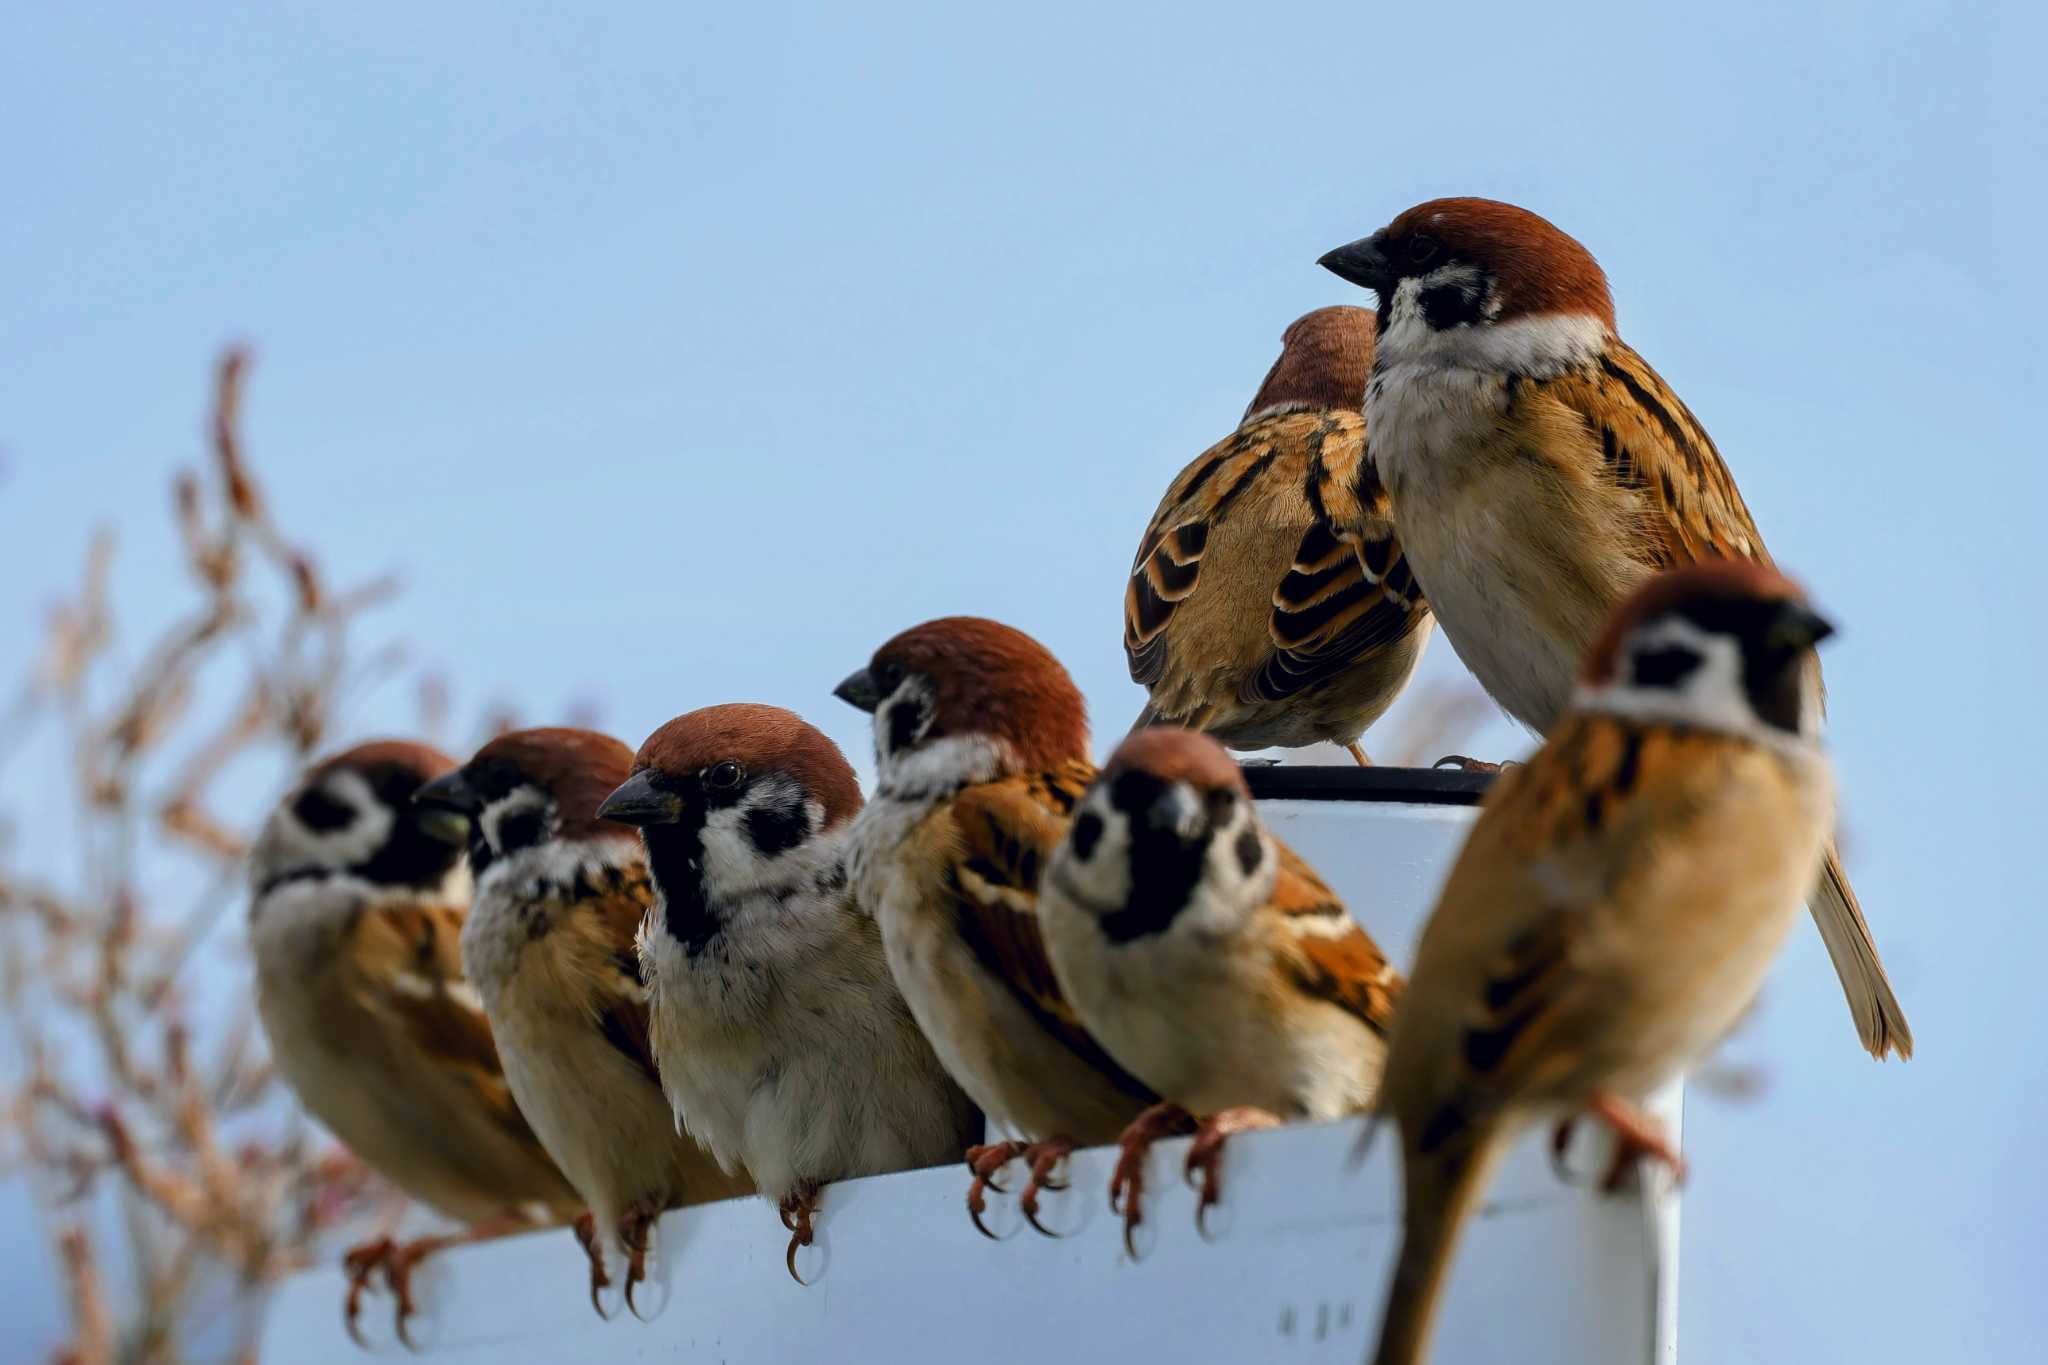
(1349, 590)
(1169, 559)
(1337, 961)
(410, 960)
(1650, 444)
(606, 916)
(1008, 831)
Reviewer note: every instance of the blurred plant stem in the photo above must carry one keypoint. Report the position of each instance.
(170, 1185)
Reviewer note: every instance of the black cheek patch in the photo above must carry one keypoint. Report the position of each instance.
(1250, 852)
(319, 812)
(1667, 667)
(1087, 833)
(521, 829)
(904, 719)
(777, 829)
(1449, 305)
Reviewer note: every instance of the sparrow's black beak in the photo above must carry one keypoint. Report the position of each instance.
(859, 690)
(639, 802)
(1178, 812)
(1798, 626)
(1362, 263)
(450, 792)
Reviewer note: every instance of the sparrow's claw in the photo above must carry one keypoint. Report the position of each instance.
(586, 1235)
(796, 1209)
(1470, 765)
(1637, 1137)
(360, 1265)
(636, 1228)
(984, 1160)
(1205, 1154)
(1127, 1182)
(1044, 1157)
(398, 1268)
(1560, 1143)
(1358, 754)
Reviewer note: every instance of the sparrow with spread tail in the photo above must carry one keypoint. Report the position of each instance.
(981, 746)
(1617, 904)
(356, 914)
(1269, 603)
(1207, 957)
(1540, 470)
(782, 1040)
(549, 944)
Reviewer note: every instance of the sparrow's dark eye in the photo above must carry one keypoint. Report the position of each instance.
(888, 677)
(724, 776)
(1422, 249)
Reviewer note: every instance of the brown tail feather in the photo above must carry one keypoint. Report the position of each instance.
(1442, 1188)
(1880, 1021)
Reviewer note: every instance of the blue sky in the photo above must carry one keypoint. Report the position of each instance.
(676, 358)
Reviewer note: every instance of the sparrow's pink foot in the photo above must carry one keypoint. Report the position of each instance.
(1358, 754)
(1205, 1153)
(1638, 1137)
(797, 1207)
(586, 1236)
(361, 1264)
(1043, 1156)
(984, 1160)
(1127, 1182)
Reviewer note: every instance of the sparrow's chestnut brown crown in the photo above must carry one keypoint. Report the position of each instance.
(1325, 359)
(1534, 267)
(985, 678)
(725, 748)
(1175, 755)
(574, 769)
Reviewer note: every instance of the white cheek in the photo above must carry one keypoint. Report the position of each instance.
(288, 843)
(521, 801)
(1102, 880)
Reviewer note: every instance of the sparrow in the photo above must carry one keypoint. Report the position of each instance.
(981, 751)
(782, 1041)
(549, 945)
(356, 908)
(1617, 904)
(1269, 603)
(1540, 470)
(1208, 957)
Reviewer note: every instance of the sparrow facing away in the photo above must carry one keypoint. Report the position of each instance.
(1617, 904)
(1269, 603)
(1541, 470)
(783, 1043)
(357, 906)
(1207, 956)
(549, 946)
(981, 744)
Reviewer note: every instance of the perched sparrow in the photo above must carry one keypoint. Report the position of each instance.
(1540, 470)
(357, 908)
(1269, 603)
(1617, 904)
(549, 945)
(981, 744)
(783, 1043)
(1207, 956)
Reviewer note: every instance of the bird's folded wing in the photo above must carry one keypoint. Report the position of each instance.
(1329, 957)
(604, 919)
(1349, 590)
(408, 959)
(1007, 832)
(1643, 440)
